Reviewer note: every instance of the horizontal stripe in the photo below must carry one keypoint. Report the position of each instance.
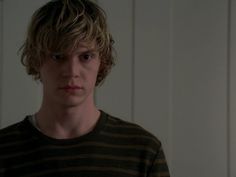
(89, 169)
(16, 143)
(122, 125)
(9, 134)
(85, 156)
(93, 144)
(161, 174)
(118, 135)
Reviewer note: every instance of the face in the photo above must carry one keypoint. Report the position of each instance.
(69, 78)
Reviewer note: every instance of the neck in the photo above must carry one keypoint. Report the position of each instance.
(62, 123)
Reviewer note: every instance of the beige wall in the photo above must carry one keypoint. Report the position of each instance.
(19, 95)
(232, 90)
(175, 76)
(1, 48)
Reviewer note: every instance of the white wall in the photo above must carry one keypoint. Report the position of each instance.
(20, 96)
(172, 76)
(119, 82)
(199, 88)
(232, 91)
(1, 50)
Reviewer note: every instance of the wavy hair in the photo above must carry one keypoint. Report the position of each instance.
(60, 25)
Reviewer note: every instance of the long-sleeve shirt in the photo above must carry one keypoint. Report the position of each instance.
(114, 148)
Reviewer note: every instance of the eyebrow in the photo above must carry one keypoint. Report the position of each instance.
(87, 46)
(79, 49)
(84, 50)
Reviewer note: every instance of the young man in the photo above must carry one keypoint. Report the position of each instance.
(69, 49)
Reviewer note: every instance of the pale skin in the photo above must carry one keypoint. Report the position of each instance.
(68, 109)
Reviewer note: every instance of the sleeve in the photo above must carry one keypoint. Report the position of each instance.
(159, 167)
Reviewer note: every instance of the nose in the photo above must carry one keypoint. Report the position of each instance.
(71, 67)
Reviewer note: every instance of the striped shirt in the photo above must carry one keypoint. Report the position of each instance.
(114, 148)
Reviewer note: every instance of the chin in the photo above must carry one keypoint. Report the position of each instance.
(72, 102)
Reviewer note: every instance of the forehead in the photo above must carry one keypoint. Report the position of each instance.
(91, 45)
(76, 46)
(82, 46)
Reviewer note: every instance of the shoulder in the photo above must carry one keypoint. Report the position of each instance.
(12, 132)
(122, 125)
(131, 131)
(10, 129)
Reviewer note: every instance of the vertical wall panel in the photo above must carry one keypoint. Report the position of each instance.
(200, 88)
(20, 94)
(116, 94)
(232, 94)
(1, 53)
(152, 61)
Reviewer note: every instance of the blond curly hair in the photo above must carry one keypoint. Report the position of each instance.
(60, 25)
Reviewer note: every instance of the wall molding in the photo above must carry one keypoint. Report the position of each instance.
(232, 88)
(1, 53)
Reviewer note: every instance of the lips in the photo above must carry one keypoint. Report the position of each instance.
(70, 87)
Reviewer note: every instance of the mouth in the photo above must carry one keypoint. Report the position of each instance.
(70, 88)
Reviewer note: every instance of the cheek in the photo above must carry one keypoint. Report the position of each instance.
(96, 68)
(95, 73)
(45, 73)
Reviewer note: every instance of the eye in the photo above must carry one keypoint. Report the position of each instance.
(86, 57)
(57, 57)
